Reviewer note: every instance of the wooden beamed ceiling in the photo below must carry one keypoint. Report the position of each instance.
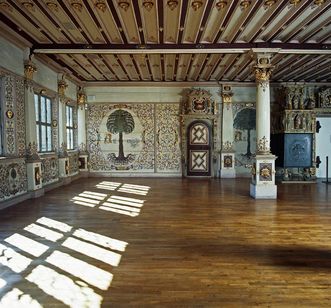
(175, 40)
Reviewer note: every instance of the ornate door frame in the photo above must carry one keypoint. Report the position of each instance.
(199, 148)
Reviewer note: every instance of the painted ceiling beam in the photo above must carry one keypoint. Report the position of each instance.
(285, 48)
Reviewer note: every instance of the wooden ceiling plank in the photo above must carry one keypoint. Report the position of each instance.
(192, 56)
(113, 62)
(298, 63)
(108, 23)
(141, 66)
(226, 20)
(242, 63)
(261, 21)
(212, 60)
(324, 75)
(203, 66)
(15, 14)
(193, 22)
(85, 20)
(310, 75)
(182, 20)
(183, 66)
(216, 65)
(294, 21)
(148, 22)
(238, 21)
(129, 23)
(288, 12)
(49, 24)
(155, 64)
(101, 67)
(230, 65)
(213, 24)
(170, 22)
(160, 16)
(141, 29)
(313, 32)
(306, 22)
(205, 17)
(75, 66)
(129, 67)
(84, 62)
(314, 66)
(196, 66)
(169, 63)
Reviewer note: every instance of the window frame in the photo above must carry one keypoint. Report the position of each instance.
(70, 127)
(47, 123)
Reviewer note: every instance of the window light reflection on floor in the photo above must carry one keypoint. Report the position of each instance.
(93, 251)
(101, 240)
(12, 259)
(44, 232)
(24, 243)
(85, 271)
(48, 222)
(114, 210)
(63, 288)
(2, 283)
(17, 298)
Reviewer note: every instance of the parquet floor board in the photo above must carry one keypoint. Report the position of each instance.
(167, 242)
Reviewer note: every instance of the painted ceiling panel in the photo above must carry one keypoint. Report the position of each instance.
(188, 37)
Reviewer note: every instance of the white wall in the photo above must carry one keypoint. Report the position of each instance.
(11, 57)
(323, 146)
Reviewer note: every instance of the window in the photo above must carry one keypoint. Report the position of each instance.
(43, 107)
(70, 127)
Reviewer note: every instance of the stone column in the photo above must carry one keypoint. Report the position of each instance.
(83, 154)
(227, 151)
(33, 162)
(63, 154)
(263, 171)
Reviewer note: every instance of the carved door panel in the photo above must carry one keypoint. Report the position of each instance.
(198, 149)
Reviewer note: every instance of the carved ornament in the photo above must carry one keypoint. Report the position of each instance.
(29, 69)
(263, 146)
(32, 151)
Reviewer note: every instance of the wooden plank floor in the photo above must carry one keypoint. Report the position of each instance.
(167, 242)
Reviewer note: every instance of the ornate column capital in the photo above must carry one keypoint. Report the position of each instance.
(226, 95)
(29, 69)
(263, 69)
(62, 86)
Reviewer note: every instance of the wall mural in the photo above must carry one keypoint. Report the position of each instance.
(50, 170)
(134, 137)
(167, 138)
(120, 137)
(73, 163)
(12, 179)
(244, 137)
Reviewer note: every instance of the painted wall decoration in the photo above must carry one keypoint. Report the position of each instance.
(167, 138)
(244, 138)
(50, 167)
(12, 179)
(134, 138)
(73, 163)
(121, 137)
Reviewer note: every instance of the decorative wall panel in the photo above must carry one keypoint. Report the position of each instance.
(73, 163)
(244, 137)
(121, 137)
(167, 138)
(20, 118)
(50, 167)
(12, 178)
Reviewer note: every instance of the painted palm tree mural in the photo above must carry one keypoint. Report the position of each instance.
(120, 122)
(245, 120)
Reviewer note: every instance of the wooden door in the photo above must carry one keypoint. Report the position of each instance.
(198, 149)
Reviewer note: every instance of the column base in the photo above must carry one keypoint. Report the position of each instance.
(228, 173)
(263, 191)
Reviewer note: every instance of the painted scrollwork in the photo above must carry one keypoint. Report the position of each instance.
(263, 146)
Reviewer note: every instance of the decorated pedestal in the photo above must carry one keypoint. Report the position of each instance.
(34, 175)
(263, 178)
(63, 167)
(227, 164)
(82, 162)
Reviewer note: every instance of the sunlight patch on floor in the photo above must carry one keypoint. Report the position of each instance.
(80, 291)
(101, 240)
(85, 271)
(44, 232)
(12, 259)
(48, 222)
(108, 185)
(78, 198)
(63, 288)
(24, 243)
(93, 251)
(17, 298)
